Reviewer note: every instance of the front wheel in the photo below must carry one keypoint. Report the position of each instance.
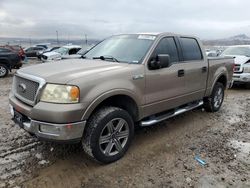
(3, 70)
(214, 102)
(108, 134)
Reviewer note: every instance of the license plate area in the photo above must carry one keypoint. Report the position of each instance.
(18, 118)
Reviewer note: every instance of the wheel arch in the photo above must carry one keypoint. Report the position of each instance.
(222, 78)
(121, 99)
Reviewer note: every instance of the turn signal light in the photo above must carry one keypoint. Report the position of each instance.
(74, 93)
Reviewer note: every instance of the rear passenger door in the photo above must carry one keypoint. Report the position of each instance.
(194, 67)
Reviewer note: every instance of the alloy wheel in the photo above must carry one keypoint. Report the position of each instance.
(114, 137)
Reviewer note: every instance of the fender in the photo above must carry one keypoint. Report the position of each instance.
(98, 100)
(216, 79)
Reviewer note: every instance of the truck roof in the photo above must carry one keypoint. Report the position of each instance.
(162, 33)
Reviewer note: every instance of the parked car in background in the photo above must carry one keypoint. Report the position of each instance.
(44, 45)
(65, 52)
(79, 54)
(124, 81)
(212, 53)
(40, 53)
(17, 49)
(8, 60)
(241, 54)
(32, 51)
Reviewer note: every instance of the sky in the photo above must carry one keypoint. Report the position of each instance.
(207, 19)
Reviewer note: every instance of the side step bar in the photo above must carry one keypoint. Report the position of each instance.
(167, 116)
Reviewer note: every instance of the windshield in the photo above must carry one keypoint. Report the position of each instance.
(61, 50)
(123, 48)
(245, 51)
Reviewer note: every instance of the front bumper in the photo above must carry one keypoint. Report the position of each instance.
(243, 77)
(67, 132)
(55, 122)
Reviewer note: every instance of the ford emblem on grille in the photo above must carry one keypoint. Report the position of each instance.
(22, 87)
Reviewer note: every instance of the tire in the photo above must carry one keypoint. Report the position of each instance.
(214, 102)
(247, 85)
(4, 71)
(103, 140)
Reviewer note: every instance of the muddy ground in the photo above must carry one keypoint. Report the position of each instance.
(160, 156)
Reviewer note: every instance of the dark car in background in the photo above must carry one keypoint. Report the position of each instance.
(32, 51)
(44, 45)
(17, 49)
(9, 60)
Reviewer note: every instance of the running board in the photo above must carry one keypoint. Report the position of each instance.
(167, 116)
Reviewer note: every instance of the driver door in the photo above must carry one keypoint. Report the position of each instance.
(164, 86)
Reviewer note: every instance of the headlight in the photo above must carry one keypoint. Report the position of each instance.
(63, 94)
(246, 69)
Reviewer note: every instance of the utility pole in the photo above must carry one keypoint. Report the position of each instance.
(30, 40)
(86, 40)
(57, 38)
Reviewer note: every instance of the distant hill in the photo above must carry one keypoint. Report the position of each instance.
(234, 40)
(26, 42)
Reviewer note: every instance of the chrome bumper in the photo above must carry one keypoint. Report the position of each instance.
(52, 131)
(57, 132)
(243, 77)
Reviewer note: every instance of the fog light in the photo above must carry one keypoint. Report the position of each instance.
(49, 129)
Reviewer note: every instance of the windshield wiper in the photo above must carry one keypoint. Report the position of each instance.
(106, 57)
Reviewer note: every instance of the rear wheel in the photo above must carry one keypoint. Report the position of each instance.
(108, 134)
(214, 102)
(4, 71)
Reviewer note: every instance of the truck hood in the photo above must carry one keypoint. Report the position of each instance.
(64, 71)
(239, 59)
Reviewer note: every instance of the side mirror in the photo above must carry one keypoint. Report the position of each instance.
(161, 61)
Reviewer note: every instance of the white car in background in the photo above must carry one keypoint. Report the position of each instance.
(241, 54)
(65, 52)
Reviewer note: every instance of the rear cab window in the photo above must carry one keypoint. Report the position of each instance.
(191, 50)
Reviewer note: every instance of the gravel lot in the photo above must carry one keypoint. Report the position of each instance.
(160, 156)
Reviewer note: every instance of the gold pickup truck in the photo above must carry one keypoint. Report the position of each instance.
(124, 81)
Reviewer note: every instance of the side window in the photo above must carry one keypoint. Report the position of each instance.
(38, 48)
(190, 49)
(30, 49)
(73, 51)
(4, 50)
(167, 46)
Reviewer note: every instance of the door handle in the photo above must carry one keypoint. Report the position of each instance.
(204, 69)
(181, 73)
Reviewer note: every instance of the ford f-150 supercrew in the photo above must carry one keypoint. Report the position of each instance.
(124, 81)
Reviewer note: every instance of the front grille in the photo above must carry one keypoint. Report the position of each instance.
(237, 68)
(25, 89)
